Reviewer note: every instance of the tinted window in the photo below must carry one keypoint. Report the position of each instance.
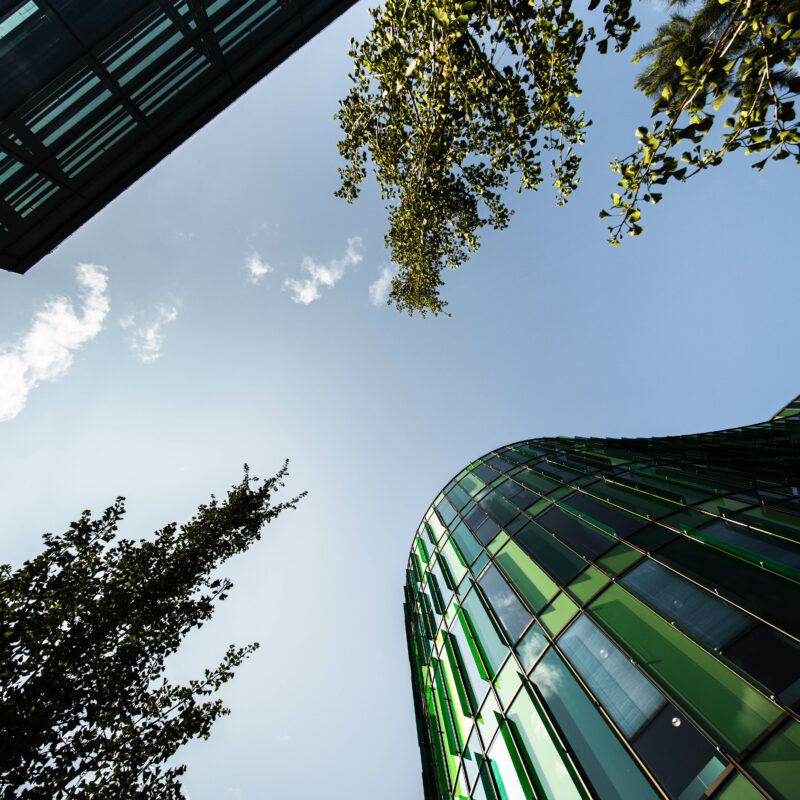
(705, 616)
(588, 541)
(628, 697)
(766, 594)
(506, 605)
(609, 768)
(560, 562)
(486, 474)
(756, 542)
(771, 658)
(624, 524)
(684, 762)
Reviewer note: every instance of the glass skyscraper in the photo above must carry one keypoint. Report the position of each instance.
(94, 93)
(612, 618)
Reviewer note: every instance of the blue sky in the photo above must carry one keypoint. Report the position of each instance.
(229, 318)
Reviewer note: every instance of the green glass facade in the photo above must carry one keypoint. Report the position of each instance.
(93, 94)
(612, 618)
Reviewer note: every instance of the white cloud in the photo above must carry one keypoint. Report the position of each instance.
(46, 351)
(379, 289)
(256, 268)
(147, 339)
(308, 290)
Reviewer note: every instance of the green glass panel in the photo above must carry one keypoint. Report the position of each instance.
(719, 700)
(489, 643)
(738, 788)
(776, 764)
(560, 611)
(551, 774)
(619, 558)
(497, 543)
(539, 505)
(608, 766)
(587, 584)
(472, 483)
(488, 718)
(436, 526)
(531, 646)
(509, 774)
(529, 580)
(508, 681)
(455, 563)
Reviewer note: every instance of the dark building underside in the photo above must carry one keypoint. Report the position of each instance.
(92, 95)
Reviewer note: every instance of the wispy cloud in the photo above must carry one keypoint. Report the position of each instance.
(46, 351)
(379, 289)
(256, 268)
(319, 275)
(147, 338)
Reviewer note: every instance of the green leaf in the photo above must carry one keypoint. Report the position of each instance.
(603, 214)
(615, 198)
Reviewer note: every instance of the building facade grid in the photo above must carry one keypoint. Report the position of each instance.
(612, 618)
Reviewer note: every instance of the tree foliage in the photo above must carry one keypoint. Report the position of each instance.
(744, 50)
(451, 99)
(85, 630)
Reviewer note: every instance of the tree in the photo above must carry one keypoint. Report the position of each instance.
(449, 101)
(85, 630)
(739, 49)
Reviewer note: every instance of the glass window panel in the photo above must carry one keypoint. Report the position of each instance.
(498, 542)
(472, 484)
(642, 504)
(466, 543)
(608, 766)
(652, 537)
(453, 560)
(771, 658)
(619, 558)
(531, 582)
(519, 496)
(499, 508)
(775, 764)
(458, 497)
(531, 646)
(683, 762)
(765, 594)
(782, 518)
(484, 788)
(486, 474)
(513, 616)
(711, 620)
(480, 562)
(545, 760)
(558, 613)
(763, 544)
(561, 472)
(539, 483)
(624, 524)
(487, 638)
(488, 719)
(557, 559)
(472, 757)
(508, 681)
(475, 681)
(626, 695)
(447, 512)
(507, 768)
(583, 538)
(719, 699)
(499, 463)
(587, 584)
(737, 788)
